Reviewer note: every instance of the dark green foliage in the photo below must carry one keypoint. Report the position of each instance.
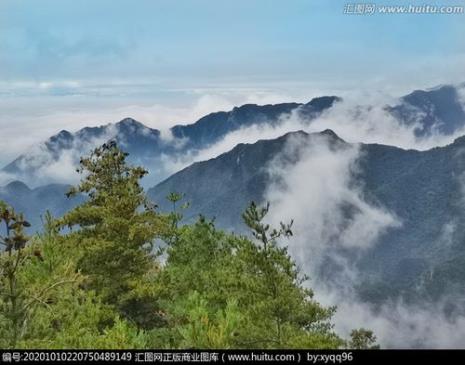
(175, 215)
(423, 190)
(362, 339)
(253, 218)
(223, 272)
(14, 307)
(99, 284)
(29, 280)
(118, 227)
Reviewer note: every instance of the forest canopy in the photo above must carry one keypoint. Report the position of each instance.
(115, 273)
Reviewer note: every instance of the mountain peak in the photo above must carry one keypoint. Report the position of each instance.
(130, 122)
(330, 133)
(438, 92)
(17, 187)
(61, 140)
(133, 129)
(63, 135)
(323, 102)
(436, 109)
(327, 133)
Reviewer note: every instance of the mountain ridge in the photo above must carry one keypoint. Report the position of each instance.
(422, 189)
(145, 144)
(436, 110)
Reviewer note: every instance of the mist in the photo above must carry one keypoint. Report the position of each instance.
(28, 121)
(315, 192)
(48, 167)
(358, 118)
(355, 120)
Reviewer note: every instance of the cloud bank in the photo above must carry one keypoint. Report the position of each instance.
(333, 226)
(27, 120)
(355, 120)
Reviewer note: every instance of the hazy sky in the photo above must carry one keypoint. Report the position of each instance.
(66, 63)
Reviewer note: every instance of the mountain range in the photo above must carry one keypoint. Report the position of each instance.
(146, 145)
(439, 110)
(34, 203)
(421, 190)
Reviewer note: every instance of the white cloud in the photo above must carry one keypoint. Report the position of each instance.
(27, 118)
(50, 168)
(244, 135)
(314, 191)
(356, 122)
(329, 210)
(396, 325)
(352, 120)
(318, 189)
(317, 192)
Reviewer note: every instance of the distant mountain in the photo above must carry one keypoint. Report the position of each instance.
(423, 189)
(63, 150)
(222, 187)
(34, 203)
(437, 110)
(146, 145)
(215, 126)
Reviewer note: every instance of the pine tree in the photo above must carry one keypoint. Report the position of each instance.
(117, 226)
(362, 339)
(220, 272)
(287, 311)
(12, 299)
(99, 284)
(23, 290)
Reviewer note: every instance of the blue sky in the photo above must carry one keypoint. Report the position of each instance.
(100, 56)
(201, 43)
